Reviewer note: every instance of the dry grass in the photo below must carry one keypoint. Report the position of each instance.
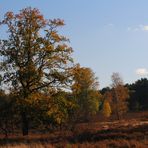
(121, 143)
(129, 133)
(27, 146)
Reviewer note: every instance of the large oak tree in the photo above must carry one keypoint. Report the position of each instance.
(34, 57)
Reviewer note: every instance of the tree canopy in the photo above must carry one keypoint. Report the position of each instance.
(34, 56)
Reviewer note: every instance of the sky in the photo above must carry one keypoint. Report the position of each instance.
(106, 35)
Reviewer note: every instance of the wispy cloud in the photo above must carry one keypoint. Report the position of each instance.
(109, 25)
(142, 71)
(138, 28)
(129, 29)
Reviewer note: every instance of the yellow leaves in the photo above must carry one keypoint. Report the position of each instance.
(106, 109)
(33, 99)
(55, 36)
(76, 87)
(35, 96)
(85, 90)
(50, 47)
(84, 79)
(52, 110)
(56, 113)
(58, 120)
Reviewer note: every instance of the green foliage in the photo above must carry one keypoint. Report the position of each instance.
(138, 95)
(48, 110)
(60, 107)
(85, 91)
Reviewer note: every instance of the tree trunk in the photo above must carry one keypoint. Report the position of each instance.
(25, 125)
(117, 113)
(116, 104)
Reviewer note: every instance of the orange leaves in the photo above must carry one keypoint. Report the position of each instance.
(57, 22)
(39, 50)
(37, 62)
(55, 36)
(9, 15)
(122, 92)
(120, 95)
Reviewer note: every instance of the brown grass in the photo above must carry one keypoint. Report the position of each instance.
(132, 132)
(120, 143)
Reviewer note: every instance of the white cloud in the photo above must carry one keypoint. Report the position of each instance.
(138, 28)
(142, 71)
(145, 28)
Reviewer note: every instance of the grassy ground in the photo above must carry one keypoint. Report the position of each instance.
(132, 132)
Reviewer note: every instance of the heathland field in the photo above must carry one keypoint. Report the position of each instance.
(130, 132)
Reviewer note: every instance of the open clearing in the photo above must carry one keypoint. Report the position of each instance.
(124, 133)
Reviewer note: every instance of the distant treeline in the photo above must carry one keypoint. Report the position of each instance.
(138, 95)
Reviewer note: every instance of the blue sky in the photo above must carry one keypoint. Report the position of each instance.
(106, 35)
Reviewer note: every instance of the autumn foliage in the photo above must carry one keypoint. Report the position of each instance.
(36, 60)
(42, 88)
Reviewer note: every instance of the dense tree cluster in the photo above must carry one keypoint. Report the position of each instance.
(116, 97)
(137, 95)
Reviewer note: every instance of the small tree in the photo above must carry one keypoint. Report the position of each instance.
(119, 96)
(106, 109)
(85, 92)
